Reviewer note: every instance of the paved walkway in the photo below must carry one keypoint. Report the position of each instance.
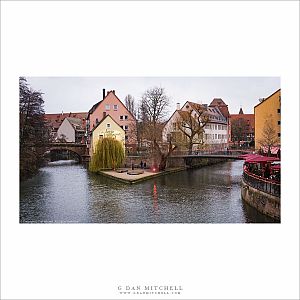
(124, 177)
(128, 177)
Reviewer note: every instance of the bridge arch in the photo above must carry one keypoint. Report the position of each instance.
(57, 150)
(80, 150)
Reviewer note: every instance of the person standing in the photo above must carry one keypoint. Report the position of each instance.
(142, 164)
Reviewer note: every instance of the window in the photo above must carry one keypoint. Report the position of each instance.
(108, 125)
(97, 121)
(216, 136)
(126, 137)
(107, 107)
(278, 134)
(101, 136)
(121, 117)
(278, 110)
(116, 107)
(125, 127)
(126, 117)
(278, 122)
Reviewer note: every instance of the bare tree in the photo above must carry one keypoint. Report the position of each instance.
(269, 135)
(239, 129)
(62, 138)
(153, 110)
(191, 124)
(34, 134)
(130, 105)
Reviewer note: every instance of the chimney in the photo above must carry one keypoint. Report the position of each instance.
(178, 106)
(103, 94)
(113, 91)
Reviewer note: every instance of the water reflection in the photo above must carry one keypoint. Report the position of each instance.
(155, 199)
(69, 193)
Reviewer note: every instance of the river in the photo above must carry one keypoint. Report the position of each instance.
(65, 192)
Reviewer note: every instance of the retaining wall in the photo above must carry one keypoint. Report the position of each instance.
(263, 202)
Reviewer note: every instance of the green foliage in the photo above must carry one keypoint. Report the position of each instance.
(109, 154)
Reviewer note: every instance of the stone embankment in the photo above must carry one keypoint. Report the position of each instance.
(264, 202)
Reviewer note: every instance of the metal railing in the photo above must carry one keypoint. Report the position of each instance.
(262, 184)
(211, 152)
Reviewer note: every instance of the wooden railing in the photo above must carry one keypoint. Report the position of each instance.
(265, 185)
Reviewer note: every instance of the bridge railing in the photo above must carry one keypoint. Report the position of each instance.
(262, 184)
(211, 152)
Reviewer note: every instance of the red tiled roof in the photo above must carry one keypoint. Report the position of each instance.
(55, 120)
(223, 107)
(249, 118)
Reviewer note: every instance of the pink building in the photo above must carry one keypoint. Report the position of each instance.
(113, 106)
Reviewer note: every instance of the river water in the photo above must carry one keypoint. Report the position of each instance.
(64, 192)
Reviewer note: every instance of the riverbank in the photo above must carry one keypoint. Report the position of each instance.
(174, 165)
(146, 175)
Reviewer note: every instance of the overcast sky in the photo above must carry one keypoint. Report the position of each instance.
(79, 94)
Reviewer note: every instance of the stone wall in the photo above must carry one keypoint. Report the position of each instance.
(174, 162)
(195, 162)
(263, 202)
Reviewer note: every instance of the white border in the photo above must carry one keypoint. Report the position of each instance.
(149, 39)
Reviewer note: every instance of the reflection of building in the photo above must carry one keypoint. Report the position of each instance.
(107, 127)
(111, 105)
(242, 127)
(71, 130)
(268, 109)
(55, 120)
(215, 131)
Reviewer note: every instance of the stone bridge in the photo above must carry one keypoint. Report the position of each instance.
(202, 158)
(80, 150)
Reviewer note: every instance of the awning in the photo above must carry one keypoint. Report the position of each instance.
(261, 159)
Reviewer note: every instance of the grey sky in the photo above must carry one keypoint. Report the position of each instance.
(78, 94)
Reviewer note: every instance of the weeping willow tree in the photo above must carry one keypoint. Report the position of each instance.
(109, 154)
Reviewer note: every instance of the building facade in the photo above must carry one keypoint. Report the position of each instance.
(54, 121)
(268, 109)
(242, 128)
(223, 107)
(71, 131)
(107, 127)
(215, 132)
(111, 105)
